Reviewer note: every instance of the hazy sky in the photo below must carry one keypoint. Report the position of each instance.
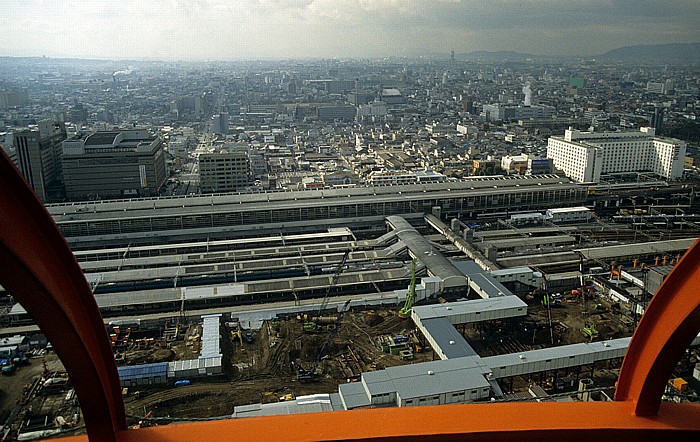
(235, 29)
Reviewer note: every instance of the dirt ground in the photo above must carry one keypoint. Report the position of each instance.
(12, 387)
(533, 332)
(266, 369)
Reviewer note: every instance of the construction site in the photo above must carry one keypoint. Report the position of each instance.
(390, 310)
(270, 364)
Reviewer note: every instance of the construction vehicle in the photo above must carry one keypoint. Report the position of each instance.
(406, 355)
(551, 300)
(405, 311)
(590, 331)
(310, 374)
(238, 333)
(417, 346)
(310, 325)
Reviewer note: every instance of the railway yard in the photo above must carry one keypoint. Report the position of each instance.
(354, 315)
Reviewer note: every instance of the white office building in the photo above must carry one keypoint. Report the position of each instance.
(585, 156)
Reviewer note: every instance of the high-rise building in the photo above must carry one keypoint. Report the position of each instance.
(224, 171)
(585, 156)
(656, 120)
(112, 164)
(13, 97)
(219, 123)
(8, 146)
(38, 157)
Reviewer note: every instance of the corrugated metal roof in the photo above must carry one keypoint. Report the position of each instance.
(449, 341)
(442, 382)
(453, 310)
(647, 248)
(211, 337)
(429, 378)
(535, 361)
(568, 210)
(143, 371)
(481, 280)
(421, 248)
(354, 395)
(298, 406)
(336, 403)
(534, 241)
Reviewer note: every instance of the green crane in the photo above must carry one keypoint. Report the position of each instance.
(405, 312)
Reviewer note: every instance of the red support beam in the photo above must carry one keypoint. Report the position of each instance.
(500, 422)
(40, 272)
(668, 326)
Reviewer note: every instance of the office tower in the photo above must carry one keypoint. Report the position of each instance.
(38, 157)
(220, 123)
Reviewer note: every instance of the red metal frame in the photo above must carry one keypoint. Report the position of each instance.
(40, 271)
(668, 326)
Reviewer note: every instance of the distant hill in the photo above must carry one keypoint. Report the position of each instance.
(497, 55)
(674, 53)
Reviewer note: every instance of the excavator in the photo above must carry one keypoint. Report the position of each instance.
(310, 374)
(405, 311)
(310, 326)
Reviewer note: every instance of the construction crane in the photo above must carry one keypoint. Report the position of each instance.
(310, 374)
(405, 312)
(310, 326)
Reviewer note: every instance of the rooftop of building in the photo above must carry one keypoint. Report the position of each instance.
(101, 138)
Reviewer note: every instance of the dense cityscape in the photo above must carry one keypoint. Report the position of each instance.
(306, 235)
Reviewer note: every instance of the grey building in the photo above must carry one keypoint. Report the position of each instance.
(13, 97)
(38, 157)
(219, 123)
(224, 171)
(226, 213)
(126, 163)
(501, 112)
(341, 112)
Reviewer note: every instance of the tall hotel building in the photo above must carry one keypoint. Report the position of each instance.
(585, 156)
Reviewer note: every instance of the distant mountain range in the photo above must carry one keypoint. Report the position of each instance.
(497, 55)
(674, 53)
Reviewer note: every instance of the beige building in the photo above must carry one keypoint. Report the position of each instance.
(224, 171)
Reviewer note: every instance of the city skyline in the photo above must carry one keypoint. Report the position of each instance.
(269, 29)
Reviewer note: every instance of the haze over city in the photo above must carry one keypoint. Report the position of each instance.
(264, 29)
